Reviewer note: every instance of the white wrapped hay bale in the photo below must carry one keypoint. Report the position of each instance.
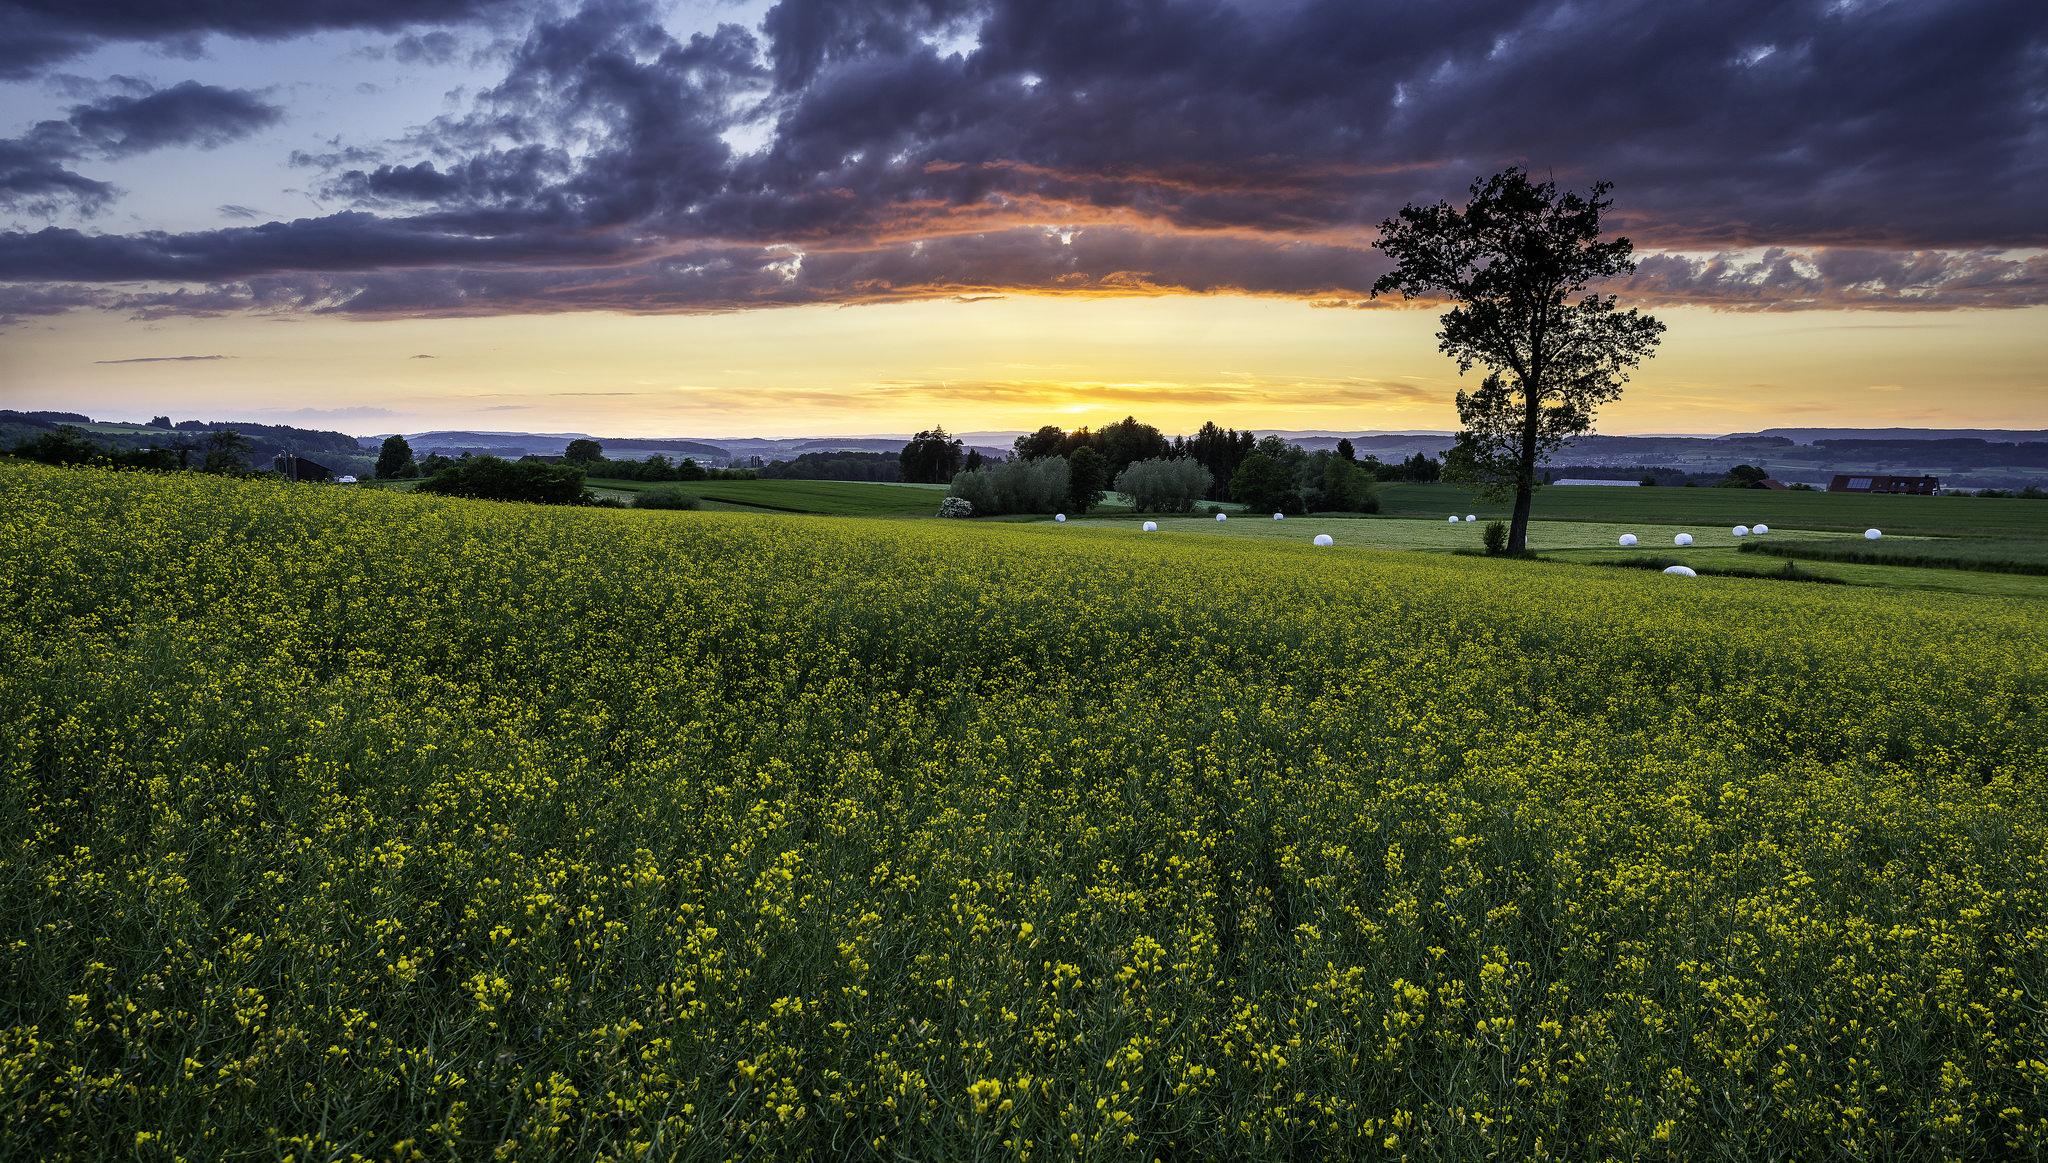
(1454, 518)
(1871, 534)
(1060, 517)
(1325, 539)
(1471, 516)
(1682, 539)
(1223, 516)
(1279, 516)
(1680, 571)
(1740, 531)
(1151, 526)
(1628, 541)
(1759, 528)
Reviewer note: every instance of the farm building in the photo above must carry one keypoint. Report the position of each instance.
(1854, 483)
(298, 468)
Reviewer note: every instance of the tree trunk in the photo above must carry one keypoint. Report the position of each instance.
(1525, 474)
(1525, 492)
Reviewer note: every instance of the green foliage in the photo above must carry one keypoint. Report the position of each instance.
(227, 452)
(881, 467)
(1268, 480)
(932, 457)
(665, 497)
(1744, 476)
(490, 478)
(1015, 486)
(1087, 479)
(394, 459)
(61, 446)
(1496, 538)
(1047, 441)
(1164, 485)
(1221, 451)
(1127, 442)
(1328, 483)
(583, 451)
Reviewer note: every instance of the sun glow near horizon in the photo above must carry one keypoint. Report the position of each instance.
(1014, 362)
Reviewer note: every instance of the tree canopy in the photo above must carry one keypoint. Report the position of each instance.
(1515, 263)
(932, 457)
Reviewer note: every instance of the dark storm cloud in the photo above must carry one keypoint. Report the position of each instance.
(350, 241)
(35, 177)
(44, 32)
(184, 114)
(1767, 155)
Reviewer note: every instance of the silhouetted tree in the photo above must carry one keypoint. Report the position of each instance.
(932, 457)
(1512, 261)
(1087, 479)
(1345, 450)
(1745, 476)
(61, 445)
(225, 449)
(1420, 467)
(1269, 480)
(1127, 441)
(394, 459)
(159, 421)
(1220, 450)
(583, 451)
(1047, 441)
(494, 479)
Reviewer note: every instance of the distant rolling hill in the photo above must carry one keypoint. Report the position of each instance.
(1963, 458)
(513, 444)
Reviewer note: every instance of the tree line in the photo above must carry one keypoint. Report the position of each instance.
(1160, 474)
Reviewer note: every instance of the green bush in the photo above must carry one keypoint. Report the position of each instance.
(1496, 538)
(1014, 486)
(1165, 485)
(490, 478)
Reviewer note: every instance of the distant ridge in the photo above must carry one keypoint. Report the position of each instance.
(1809, 435)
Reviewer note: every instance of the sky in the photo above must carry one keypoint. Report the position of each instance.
(826, 217)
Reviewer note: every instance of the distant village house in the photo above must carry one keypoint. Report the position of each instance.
(1924, 486)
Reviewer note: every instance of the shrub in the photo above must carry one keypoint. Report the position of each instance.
(1165, 485)
(665, 498)
(1014, 486)
(956, 507)
(1496, 538)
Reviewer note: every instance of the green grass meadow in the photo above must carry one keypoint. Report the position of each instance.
(1835, 512)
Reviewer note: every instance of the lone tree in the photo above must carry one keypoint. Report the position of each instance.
(583, 451)
(394, 459)
(1515, 262)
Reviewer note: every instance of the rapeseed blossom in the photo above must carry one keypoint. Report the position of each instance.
(350, 824)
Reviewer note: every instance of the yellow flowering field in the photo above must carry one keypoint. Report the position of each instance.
(344, 823)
